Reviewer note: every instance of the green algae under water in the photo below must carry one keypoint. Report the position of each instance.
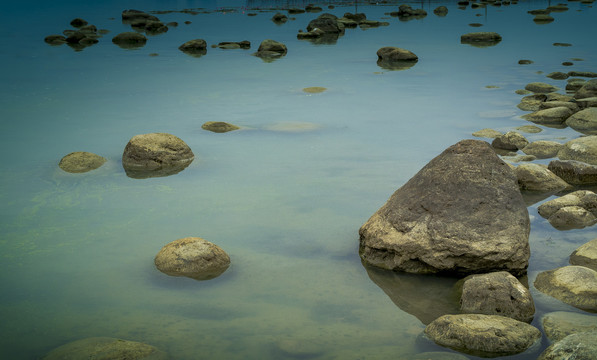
(77, 249)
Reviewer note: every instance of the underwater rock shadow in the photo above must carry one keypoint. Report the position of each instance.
(426, 297)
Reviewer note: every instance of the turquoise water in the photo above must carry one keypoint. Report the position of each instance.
(284, 197)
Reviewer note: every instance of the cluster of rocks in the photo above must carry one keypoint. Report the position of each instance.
(82, 36)
(327, 28)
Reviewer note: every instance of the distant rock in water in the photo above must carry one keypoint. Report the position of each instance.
(440, 11)
(481, 39)
(155, 155)
(192, 257)
(106, 348)
(462, 213)
(525, 62)
(55, 39)
(394, 58)
(314, 89)
(219, 126)
(279, 18)
(195, 48)
(270, 50)
(543, 19)
(81, 161)
(129, 40)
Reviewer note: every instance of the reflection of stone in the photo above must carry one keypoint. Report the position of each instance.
(106, 348)
(129, 40)
(424, 296)
(481, 39)
(394, 58)
(196, 48)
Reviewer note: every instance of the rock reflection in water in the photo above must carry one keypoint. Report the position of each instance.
(425, 296)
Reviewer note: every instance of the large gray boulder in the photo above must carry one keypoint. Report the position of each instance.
(497, 293)
(461, 213)
(574, 172)
(483, 335)
(192, 257)
(584, 121)
(81, 161)
(574, 285)
(582, 149)
(585, 255)
(155, 154)
(580, 346)
(534, 177)
(105, 348)
(559, 324)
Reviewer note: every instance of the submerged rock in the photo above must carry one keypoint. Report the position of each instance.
(584, 121)
(81, 161)
(394, 58)
(314, 89)
(483, 335)
(106, 348)
(586, 256)
(497, 293)
(580, 346)
(574, 172)
(487, 133)
(192, 257)
(196, 48)
(582, 149)
(559, 324)
(154, 155)
(481, 39)
(574, 285)
(451, 217)
(540, 87)
(219, 126)
(129, 40)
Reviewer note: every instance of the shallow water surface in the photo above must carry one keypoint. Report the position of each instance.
(284, 196)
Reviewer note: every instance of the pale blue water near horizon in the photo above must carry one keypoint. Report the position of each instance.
(284, 197)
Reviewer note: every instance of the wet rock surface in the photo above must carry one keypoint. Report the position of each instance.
(451, 217)
(559, 324)
(574, 285)
(81, 161)
(192, 257)
(483, 335)
(585, 255)
(105, 348)
(155, 154)
(497, 293)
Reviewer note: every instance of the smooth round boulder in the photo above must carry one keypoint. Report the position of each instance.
(154, 155)
(219, 126)
(461, 213)
(559, 324)
(540, 87)
(81, 161)
(582, 149)
(195, 48)
(497, 293)
(574, 172)
(105, 348)
(542, 149)
(483, 335)
(192, 257)
(585, 255)
(583, 198)
(580, 346)
(572, 217)
(584, 121)
(534, 177)
(394, 58)
(481, 39)
(549, 117)
(574, 285)
(129, 40)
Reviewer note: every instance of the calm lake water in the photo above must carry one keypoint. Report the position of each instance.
(284, 197)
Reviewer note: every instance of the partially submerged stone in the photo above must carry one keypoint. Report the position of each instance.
(154, 155)
(584, 121)
(314, 89)
(483, 335)
(543, 19)
(270, 50)
(481, 39)
(105, 348)
(574, 172)
(549, 117)
(574, 285)
(487, 133)
(531, 102)
(540, 87)
(589, 89)
(559, 324)
(583, 198)
(497, 293)
(192, 257)
(439, 220)
(440, 11)
(542, 149)
(534, 177)
(81, 161)
(580, 346)
(195, 48)
(219, 126)
(394, 58)
(510, 141)
(557, 75)
(572, 217)
(585, 255)
(531, 129)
